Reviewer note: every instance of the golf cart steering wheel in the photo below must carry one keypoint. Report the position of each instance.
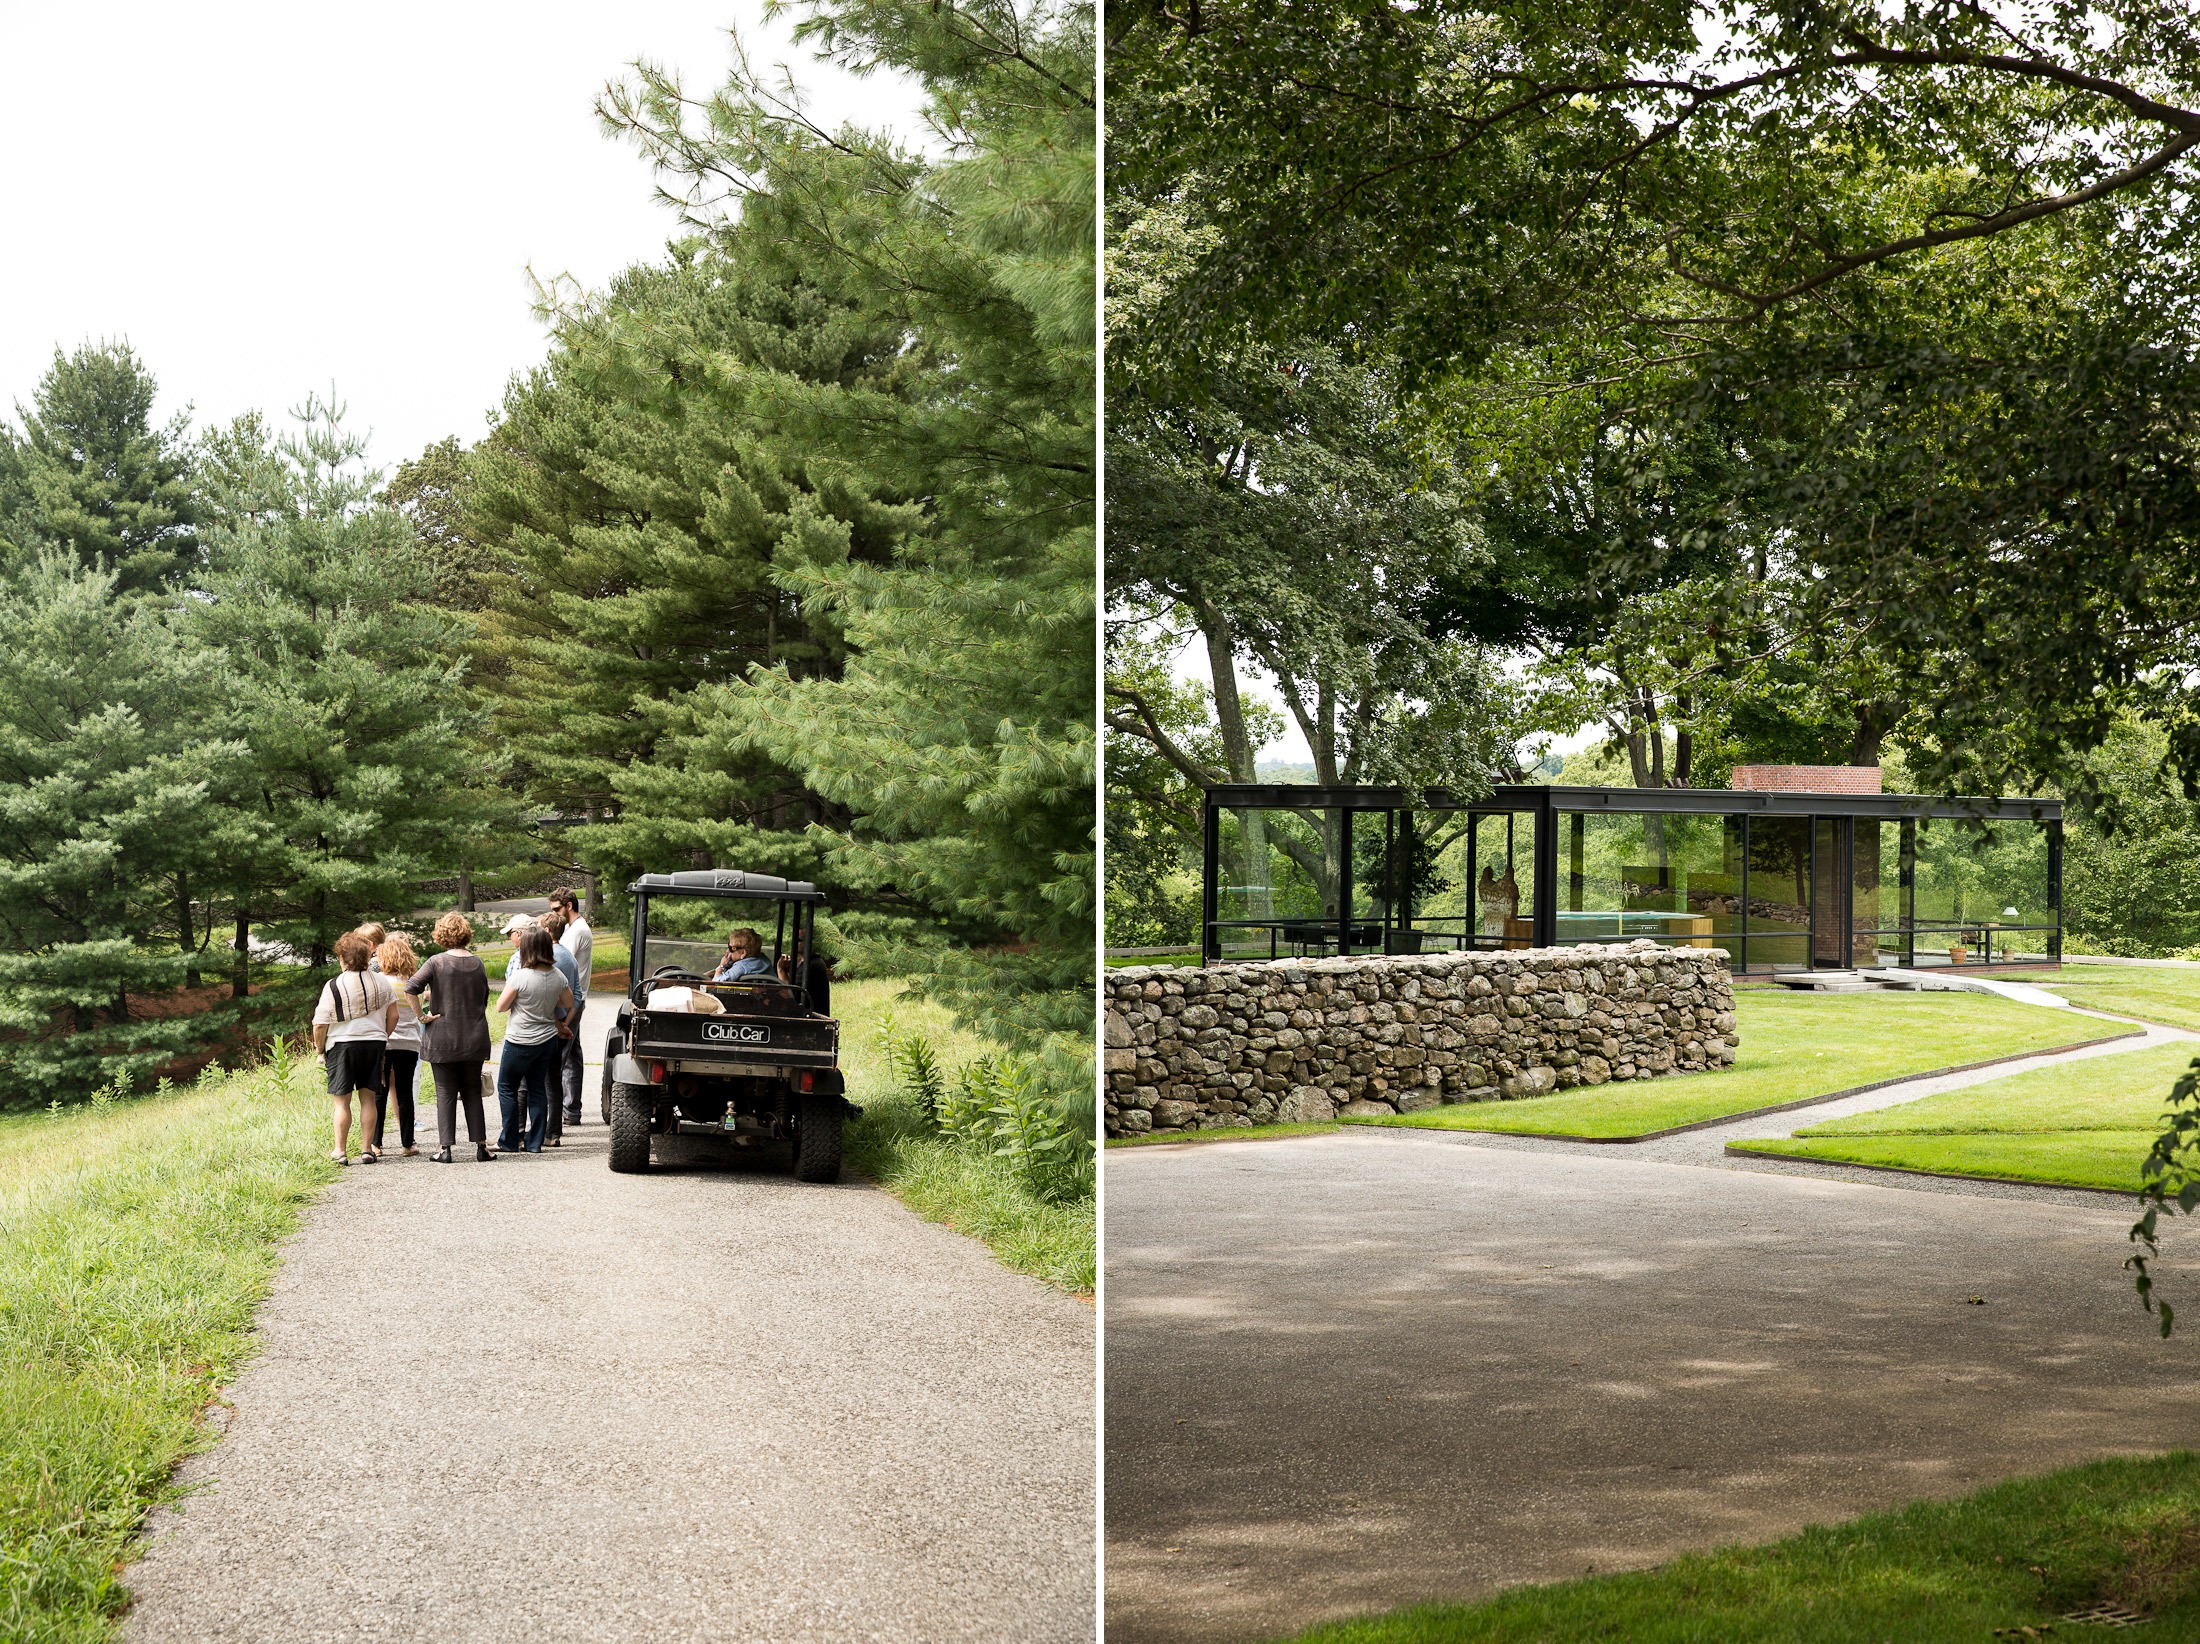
(675, 973)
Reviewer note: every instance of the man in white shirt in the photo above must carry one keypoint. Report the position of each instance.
(580, 941)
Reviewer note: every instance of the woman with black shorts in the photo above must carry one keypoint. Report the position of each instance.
(351, 1023)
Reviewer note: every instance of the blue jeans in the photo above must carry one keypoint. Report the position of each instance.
(533, 1064)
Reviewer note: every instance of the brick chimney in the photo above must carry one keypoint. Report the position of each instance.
(1806, 779)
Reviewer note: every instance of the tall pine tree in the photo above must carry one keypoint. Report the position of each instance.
(958, 734)
(110, 753)
(640, 519)
(345, 683)
(91, 473)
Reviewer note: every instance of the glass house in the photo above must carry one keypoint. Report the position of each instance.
(1780, 880)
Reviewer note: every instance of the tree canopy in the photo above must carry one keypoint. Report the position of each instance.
(1917, 278)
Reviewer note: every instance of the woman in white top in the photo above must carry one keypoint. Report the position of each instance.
(536, 996)
(401, 1056)
(351, 1023)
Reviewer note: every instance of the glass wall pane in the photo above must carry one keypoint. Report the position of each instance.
(1829, 944)
(1982, 891)
(1779, 892)
(1474, 880)
(1443, 911)
(1627, 875)
(1278, 877)
(1876, 917)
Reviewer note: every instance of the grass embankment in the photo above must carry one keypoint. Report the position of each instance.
(1232, 1133)
(2016, 1556)
(1794, 1046)
(135, 1243)
(2086, 1124)
(944, 1180)
(2170, 995)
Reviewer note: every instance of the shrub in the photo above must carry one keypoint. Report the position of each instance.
(1035, 1114)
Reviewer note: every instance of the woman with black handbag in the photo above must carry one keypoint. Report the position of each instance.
(351, 1024)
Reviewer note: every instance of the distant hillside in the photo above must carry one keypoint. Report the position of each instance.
(1277, 771)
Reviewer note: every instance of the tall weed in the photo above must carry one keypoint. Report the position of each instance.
(1010, 1107)
(911, 1093)
(915, 1061)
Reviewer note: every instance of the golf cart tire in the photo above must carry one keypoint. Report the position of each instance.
(817, 1139)
(629, 1118)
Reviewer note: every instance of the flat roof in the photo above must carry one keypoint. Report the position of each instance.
(731, 882)
(1535, 796)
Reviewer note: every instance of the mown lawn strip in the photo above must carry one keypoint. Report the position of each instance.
(2083, 1124)
(1794, 1048)
(2169, 995)
(2016, 1555)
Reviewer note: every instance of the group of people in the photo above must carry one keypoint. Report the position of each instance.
(386, 1011)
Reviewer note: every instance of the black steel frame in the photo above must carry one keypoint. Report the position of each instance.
(1545, 805)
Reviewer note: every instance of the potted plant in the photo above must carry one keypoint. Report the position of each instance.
(1957, 953)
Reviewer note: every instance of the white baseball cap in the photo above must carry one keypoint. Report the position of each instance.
(519, 922)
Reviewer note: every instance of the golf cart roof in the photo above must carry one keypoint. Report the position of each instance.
(733, 882)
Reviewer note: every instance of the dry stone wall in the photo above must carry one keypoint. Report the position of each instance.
(1292, 1041)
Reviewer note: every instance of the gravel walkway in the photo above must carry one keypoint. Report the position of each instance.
(532, 1400)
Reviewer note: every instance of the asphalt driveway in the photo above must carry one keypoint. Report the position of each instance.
(1353, 1371)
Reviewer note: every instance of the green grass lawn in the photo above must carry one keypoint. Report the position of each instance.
(2085, 1125)
(1235, 1133)
(2169, 995)
(2015, 1556)
(977, 1195)
(1794, 1046)
(135, 1244)
(1181, 956)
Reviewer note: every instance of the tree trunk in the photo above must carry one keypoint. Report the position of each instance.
(1237, 751)
(240, 975)
(592, 889)
(1873, 721)
(183, 930)
(466, 891)
(1255, 880)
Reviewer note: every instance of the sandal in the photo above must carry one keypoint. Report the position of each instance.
(338, 1159)
(482, 1153)
(414, 1153)
(443, 1157)
(368, 1155)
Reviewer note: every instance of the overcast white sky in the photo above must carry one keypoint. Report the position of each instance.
(266, 198)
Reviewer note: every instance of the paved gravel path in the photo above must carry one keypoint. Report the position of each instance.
(531, 1400)
(1355, 1371)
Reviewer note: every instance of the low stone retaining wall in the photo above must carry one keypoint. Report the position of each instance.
(1293, 1041)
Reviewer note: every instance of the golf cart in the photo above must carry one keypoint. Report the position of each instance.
(748, 1060)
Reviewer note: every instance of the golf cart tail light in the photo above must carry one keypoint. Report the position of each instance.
(805, 1081)
(656, 1073)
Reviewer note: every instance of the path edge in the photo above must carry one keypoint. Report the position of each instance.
(1762, 1112)
(1742, 1151)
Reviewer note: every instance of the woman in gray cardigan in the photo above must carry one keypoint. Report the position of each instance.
(454, 1032)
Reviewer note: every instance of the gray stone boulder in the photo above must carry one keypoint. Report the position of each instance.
(1307, 1105)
